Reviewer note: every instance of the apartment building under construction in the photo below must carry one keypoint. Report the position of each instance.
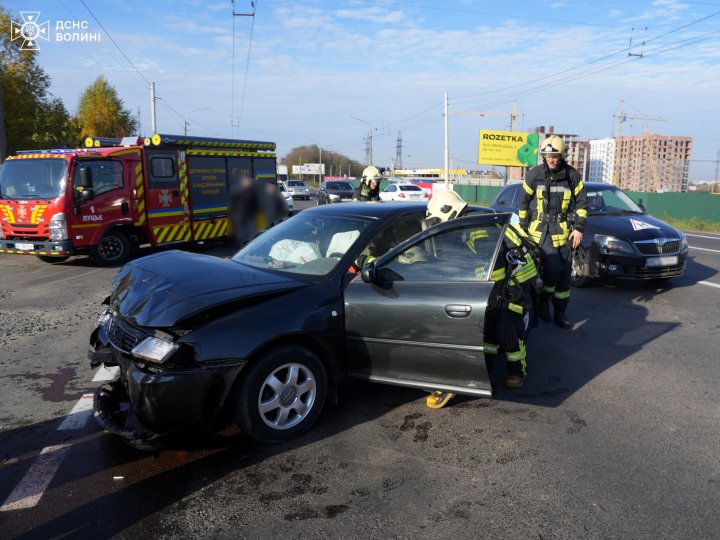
(653, 162)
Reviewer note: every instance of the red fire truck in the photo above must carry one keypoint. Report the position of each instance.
(116, 194)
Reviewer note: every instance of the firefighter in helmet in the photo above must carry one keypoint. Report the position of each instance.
(510, 300)
(548, 190)
(369, 189)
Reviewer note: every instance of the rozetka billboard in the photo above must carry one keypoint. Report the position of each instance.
(509, 148)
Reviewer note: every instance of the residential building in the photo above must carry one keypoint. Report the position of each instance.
(602, 159)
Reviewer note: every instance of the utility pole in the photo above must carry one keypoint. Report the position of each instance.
(152, 108)
(447, 150)
(3, 132)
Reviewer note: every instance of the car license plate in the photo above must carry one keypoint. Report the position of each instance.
(661, 261)
(24, 247)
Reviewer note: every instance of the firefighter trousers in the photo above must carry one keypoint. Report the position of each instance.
(556, 268)
(505, 330)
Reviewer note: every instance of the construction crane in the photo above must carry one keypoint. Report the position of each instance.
(512, 114)
(513, 122)
(621, 118)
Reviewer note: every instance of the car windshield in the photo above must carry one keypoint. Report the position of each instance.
(409, 187)
(306, 244)
(296, 183)
(33, 178)
(610, 200)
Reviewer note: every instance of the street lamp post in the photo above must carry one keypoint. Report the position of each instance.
(185, 121)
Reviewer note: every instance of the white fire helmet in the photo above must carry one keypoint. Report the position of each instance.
(552, 145)
(444, 205)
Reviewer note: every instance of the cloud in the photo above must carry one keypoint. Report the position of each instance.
(373, 14)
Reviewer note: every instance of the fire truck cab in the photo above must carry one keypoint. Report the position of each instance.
(117, 194)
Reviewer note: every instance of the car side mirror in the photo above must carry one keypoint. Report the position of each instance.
(86, 179)
(641, 205)
(368, 273)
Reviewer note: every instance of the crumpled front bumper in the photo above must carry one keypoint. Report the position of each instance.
(145, 407)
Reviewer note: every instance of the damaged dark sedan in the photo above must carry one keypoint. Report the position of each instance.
(265, 337)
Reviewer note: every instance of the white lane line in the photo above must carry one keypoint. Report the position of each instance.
(702, 236)
(79, 415)
(31, 488)
(706, 249)
(28, 492)
(105, 373)
(709, 284)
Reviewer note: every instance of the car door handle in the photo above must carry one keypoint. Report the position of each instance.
(458, 311)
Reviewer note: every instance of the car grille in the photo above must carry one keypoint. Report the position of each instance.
(659, 272)
(661, 246)
(123, 336)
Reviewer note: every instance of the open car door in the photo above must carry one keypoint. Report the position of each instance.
(415, 317)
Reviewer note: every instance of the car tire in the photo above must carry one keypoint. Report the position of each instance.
(113, 249)
(49, 259)
(580, 269)
(280, 394)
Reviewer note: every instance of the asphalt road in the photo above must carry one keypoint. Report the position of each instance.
(614, 435)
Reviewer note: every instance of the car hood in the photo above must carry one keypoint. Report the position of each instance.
(631, 226)
(159, 290)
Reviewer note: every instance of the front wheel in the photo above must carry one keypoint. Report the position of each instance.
(281, 394)
(49, 259)
(114, 248)
(580, 270)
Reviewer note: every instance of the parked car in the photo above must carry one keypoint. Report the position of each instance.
(288, 198)
(332, 191)
(298, 189)
(403, 191)
(620, 240)
(269, 334)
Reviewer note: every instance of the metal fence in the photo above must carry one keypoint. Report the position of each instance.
(699, 206)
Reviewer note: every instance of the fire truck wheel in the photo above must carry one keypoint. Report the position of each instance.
(114, 248)
(48, 259)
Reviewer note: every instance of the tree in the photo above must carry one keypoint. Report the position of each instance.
(101, 112)
(335, 163)
(33, 118)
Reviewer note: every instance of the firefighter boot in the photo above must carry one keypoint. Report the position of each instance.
(438, 399)
(561, 320)
(544, 307)
(514, 380)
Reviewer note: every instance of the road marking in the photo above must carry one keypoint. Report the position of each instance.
(709, 284)
(701, 236)
(706, 249)
(79, 415)
(105, 373)
(28, 492)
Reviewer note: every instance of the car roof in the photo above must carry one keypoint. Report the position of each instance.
(377, 210)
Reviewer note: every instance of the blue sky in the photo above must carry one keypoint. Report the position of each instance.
(314, 65)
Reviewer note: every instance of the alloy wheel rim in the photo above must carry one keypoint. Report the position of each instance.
(287, 396)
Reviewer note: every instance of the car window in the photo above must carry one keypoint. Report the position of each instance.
(410, 188)
(509, 197)
(306, 244)
(391, 188)
(458, 254)
(393, 234)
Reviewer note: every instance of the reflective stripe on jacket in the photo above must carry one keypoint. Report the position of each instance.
(552, 192)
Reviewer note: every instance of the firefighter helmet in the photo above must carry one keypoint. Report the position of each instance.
(445, 205)
(552, 145)
(371, 173)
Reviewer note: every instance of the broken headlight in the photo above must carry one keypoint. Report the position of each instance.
(154, 350)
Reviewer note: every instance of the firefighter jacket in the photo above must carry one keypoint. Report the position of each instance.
(514, 270)
(552, 192)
